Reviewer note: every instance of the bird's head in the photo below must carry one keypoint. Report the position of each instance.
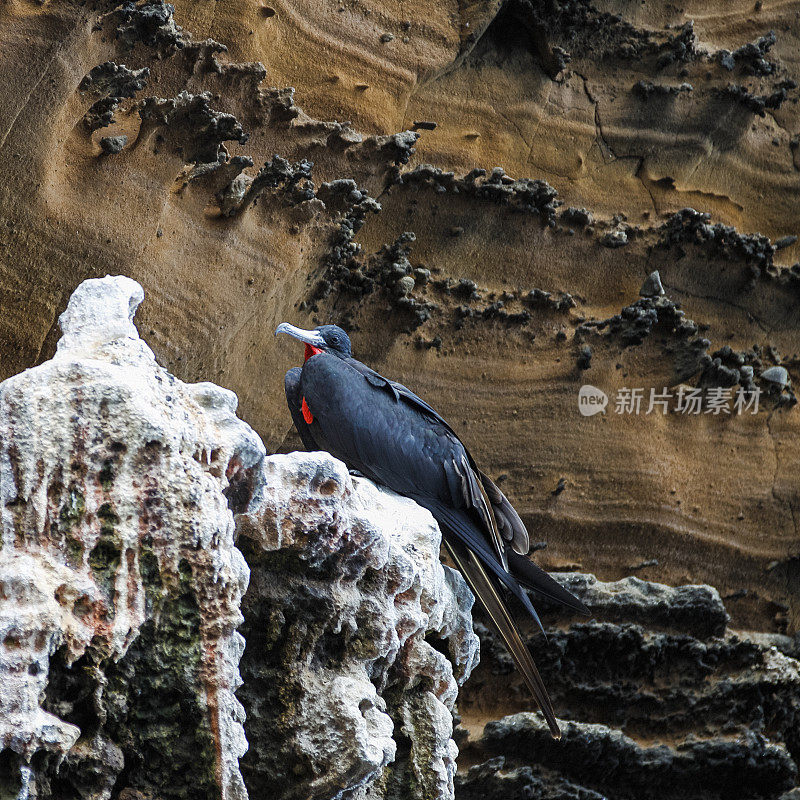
(323, 339)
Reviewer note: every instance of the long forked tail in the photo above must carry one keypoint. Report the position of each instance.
(486, 591)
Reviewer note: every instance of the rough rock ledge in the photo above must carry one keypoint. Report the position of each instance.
(122, 589)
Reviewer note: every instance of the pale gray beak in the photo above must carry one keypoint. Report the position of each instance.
(314, 338)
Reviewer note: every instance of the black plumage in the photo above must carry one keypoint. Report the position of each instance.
(384, 431)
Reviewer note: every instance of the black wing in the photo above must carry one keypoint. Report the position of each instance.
(484, 496)
(397, 439)
(385, 431)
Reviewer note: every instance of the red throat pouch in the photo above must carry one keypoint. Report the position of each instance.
(311, 351)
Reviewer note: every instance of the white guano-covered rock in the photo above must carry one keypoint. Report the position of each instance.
(120, 583)
(122, 493)
(358, 638)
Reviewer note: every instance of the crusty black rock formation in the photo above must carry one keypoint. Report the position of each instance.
(670, 703)
(594, 761)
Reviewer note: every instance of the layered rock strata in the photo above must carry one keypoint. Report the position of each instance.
(664, 701)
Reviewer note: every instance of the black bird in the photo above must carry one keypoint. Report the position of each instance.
(384, 431)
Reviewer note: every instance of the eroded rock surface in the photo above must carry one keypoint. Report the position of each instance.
(121, 582)
(666, 702)
(466, 257)
(121, 594)
(244, 197)
(357, 639)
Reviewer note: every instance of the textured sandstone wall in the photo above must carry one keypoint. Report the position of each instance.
(630, 111)
(496, 295)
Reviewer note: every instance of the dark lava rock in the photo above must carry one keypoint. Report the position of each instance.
(579, 27)
(493, 311)
(561, 301)
(101, 113)
(697, 610)
(679, 48)
(726, 367)
(422, 276)
(652, 286)
(606, 760)
(467, 288)
(396, 148)
(615, 238)
(750, 58)
(293, 180)
(389, 269)
(197, 130)
(577, 216)
(114, 80)
(111, 145)
(111, 83)
(693, 227)
(656, 663)
(635, 322)
(151, 23)
(527, 195)
(785, 241)
(717, 374)
(639, 320)
(343, 265)
(489, 781)
(646, 89)
(753, 102)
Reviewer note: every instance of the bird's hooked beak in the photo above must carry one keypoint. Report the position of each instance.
(312, 339)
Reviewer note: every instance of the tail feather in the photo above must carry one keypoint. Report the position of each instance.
(534, 577)
(486, 591)
(465, 531)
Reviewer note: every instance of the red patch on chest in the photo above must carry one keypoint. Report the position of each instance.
(311, 351)
(307, 415)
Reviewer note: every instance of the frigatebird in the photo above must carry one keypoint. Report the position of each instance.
(384, 431)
